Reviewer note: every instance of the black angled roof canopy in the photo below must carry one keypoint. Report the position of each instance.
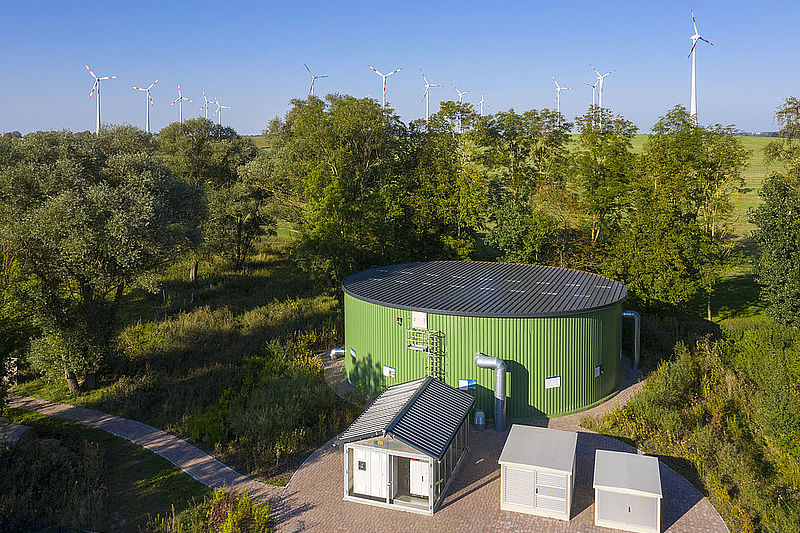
(499, 290)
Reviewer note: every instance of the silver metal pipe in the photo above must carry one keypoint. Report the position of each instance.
(499, 367)
(637, 330)
(336, 353)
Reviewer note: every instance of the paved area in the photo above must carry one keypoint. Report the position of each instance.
(185, 456)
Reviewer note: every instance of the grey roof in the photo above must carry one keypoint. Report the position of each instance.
(541, 447)
(425, 414)
(501, 290)
(627, 472)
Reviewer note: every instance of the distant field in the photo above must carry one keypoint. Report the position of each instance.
(754, 175)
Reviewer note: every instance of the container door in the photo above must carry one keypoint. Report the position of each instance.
(419, 471)
(642, 511)
(551, 492)
(518, 486)
(361, 472)
(612, 506)
(378, 466)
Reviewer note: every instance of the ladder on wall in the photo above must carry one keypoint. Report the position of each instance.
(428, 342)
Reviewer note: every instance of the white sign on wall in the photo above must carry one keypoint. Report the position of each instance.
(467, 384)
(552, 382)
(388, 371)
(419, 320)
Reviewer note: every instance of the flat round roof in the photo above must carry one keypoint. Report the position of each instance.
(499, 290)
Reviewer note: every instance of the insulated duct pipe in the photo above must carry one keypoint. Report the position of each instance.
(336, 353)
(637, 330)
(499, 367)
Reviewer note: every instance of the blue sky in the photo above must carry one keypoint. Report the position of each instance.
(251, 55)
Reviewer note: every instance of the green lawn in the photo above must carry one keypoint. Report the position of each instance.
(135, 483)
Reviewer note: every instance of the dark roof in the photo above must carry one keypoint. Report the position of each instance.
(500, 290)
(424, 413)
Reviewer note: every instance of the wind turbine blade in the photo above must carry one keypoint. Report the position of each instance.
(394, 72)
(468, 91)
(694, 23)
(109, 77)
(437, 85)
(137, 88)
(152, 84)
(175, 101)
(319, 77)
(90, 70)
(151, 99)
(424, 94)
(692, 50)
(595, 70)
(308, 69)
(566, 88)
(376, 70)
(93, 88)
(187, 99)
(706, 40)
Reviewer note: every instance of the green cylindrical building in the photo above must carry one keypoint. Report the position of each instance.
(558, 331)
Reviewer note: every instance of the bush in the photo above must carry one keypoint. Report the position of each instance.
(220, 513)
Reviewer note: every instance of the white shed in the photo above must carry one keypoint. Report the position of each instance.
(627, 492)
(537, 471)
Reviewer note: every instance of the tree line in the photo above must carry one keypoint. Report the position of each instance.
(87, 217)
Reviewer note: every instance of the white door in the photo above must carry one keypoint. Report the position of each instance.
(642, 511)
(419, 477)
(551, 492)
(360, 469)
(378, 465)
(612, 506)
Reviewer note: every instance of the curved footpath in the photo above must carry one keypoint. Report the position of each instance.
(185, 456)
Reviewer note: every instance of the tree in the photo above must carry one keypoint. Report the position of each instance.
(777, 223)
(677, 239)
(86, 225)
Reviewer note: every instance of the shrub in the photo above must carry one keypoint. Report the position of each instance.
(220, 513)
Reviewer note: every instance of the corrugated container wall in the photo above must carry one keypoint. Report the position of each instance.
(555, 365)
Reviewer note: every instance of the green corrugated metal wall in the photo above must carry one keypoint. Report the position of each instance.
(532, 348)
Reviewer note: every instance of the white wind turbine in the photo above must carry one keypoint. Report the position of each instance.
(205, 104)
(96, 87)
(600, 78)
(461, 93)
(558, 94)
(384, 76)
(218, 112)
(594, 91)
(311, 92)
(693, 54)
(482, 102)
(427, 96)
(179, 100)
(148, 101)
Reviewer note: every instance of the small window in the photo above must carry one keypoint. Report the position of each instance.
(362, 465)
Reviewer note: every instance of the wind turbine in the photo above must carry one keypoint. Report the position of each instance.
(594, 91)
(205, 104)
(482, 102)
(384, 76)
(148, 101)
(96, 87)
(220, 107)
(558, 94)
(600, 78)
(427, 96)
(461, 93)
(311, 92)
(179, 100)
(693, 54)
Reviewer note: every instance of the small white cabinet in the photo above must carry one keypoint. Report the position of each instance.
(537, 471)
(418, 473)
(627, 492)
(369, 472)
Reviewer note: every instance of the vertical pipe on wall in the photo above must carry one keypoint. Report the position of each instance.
(637, 329)
(499, 367)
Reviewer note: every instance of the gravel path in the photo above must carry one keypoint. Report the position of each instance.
(185, 456)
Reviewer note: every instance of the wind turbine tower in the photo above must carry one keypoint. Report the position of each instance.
(96, 87)
(558, 94)
(481, 102)
(594, 91)
(693, 54)
(427, 96)
(179, 100)
(205, 104)
(311, 92)
(218, 112)
(148, 101)
(384, 76)
(600, 78)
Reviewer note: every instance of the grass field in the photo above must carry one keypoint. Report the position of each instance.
(134, 484)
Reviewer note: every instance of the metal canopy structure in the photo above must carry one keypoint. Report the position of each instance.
(492, 290)
(426, 414)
